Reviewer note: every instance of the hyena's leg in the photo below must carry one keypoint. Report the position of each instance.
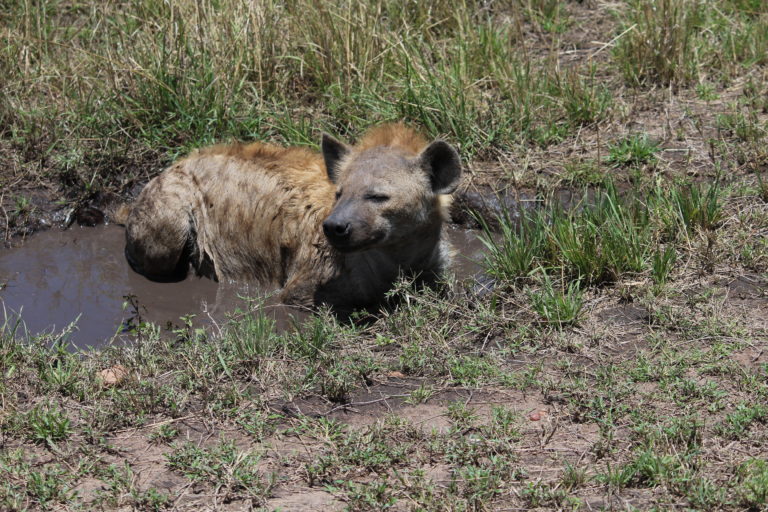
(158, 232)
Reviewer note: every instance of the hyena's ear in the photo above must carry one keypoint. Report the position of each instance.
(443, 165)
(333, 152)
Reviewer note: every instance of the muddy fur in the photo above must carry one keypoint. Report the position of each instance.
(335, 228)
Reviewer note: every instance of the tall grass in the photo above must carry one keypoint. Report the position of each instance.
(605, 238)
(678, 41)
(179, 74)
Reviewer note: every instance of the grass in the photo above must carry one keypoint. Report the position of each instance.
(615, 353)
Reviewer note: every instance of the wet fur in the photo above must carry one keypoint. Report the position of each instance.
(254, 212)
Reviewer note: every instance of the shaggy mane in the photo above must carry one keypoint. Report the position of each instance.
(395, 135)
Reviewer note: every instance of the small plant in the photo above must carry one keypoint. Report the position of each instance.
(693, 207)
(49, 486)
(503, 424)
(164, 434)
(540, 494)
(252, 335)
(420, 394)
(746, 128)
(583, 172)
(573, 477)
(706, 91)
(337, 379)
(471, 371)
(461, 415)
(371, 496)
(584, 100)
(596, 242)
(223, 465)
(522, 241)
(736, 424)
(753, 484)
(662, 263)
(258, 422)
(549, 15)
(762, 189)
(48, 424)
(632, 151)
(151, 499)
(314, 336)
(558, 306)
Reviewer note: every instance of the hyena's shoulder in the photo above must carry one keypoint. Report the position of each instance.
(265, 156)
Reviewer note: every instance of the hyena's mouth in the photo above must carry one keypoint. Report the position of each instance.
(352, 245)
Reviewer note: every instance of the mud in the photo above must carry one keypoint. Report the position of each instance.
(57, 277)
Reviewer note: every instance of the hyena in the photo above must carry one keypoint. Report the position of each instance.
(334, 228)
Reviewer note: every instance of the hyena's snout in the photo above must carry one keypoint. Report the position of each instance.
(349, 229)
(338, 231)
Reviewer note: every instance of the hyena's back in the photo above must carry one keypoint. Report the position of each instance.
(247, 211)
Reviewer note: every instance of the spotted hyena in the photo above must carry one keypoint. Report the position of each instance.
(335, 228)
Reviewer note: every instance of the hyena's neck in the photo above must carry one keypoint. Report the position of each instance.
(368, 275)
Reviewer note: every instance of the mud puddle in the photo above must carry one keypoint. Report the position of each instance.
(56, 277)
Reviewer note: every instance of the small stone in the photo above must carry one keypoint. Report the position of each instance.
(534, 416)
(113, 376)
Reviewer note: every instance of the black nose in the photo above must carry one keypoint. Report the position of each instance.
(336, 230)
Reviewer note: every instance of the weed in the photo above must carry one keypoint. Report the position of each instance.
(573, 477)
(686, 209)
(632, 151)
(706, 91)
(746, 128)
(662, 263)
(514, 255)
(583, 172)
(164, 434)
(549, 15)
(461, 415)
(313, 337)
(252, 335)
(420, 394)
(584, 101)
(753, 483)
(471, 371)
(49, 486)
(736, 424)
(222, 464)
(372, 496)
(539, 494)
(48, 424)
(558, 306)
(151, 499)
(660, 43)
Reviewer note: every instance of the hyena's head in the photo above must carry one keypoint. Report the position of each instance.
(388, 188)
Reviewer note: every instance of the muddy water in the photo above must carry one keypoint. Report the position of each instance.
(57, 276)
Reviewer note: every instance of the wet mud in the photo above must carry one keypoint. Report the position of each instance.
(56, 277)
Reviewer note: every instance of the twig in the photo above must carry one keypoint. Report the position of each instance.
(356, 404)
(159, 423)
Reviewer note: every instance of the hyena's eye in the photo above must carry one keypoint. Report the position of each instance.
(377, 198)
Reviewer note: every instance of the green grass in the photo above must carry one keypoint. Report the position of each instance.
(606, 238)
(223, 464)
